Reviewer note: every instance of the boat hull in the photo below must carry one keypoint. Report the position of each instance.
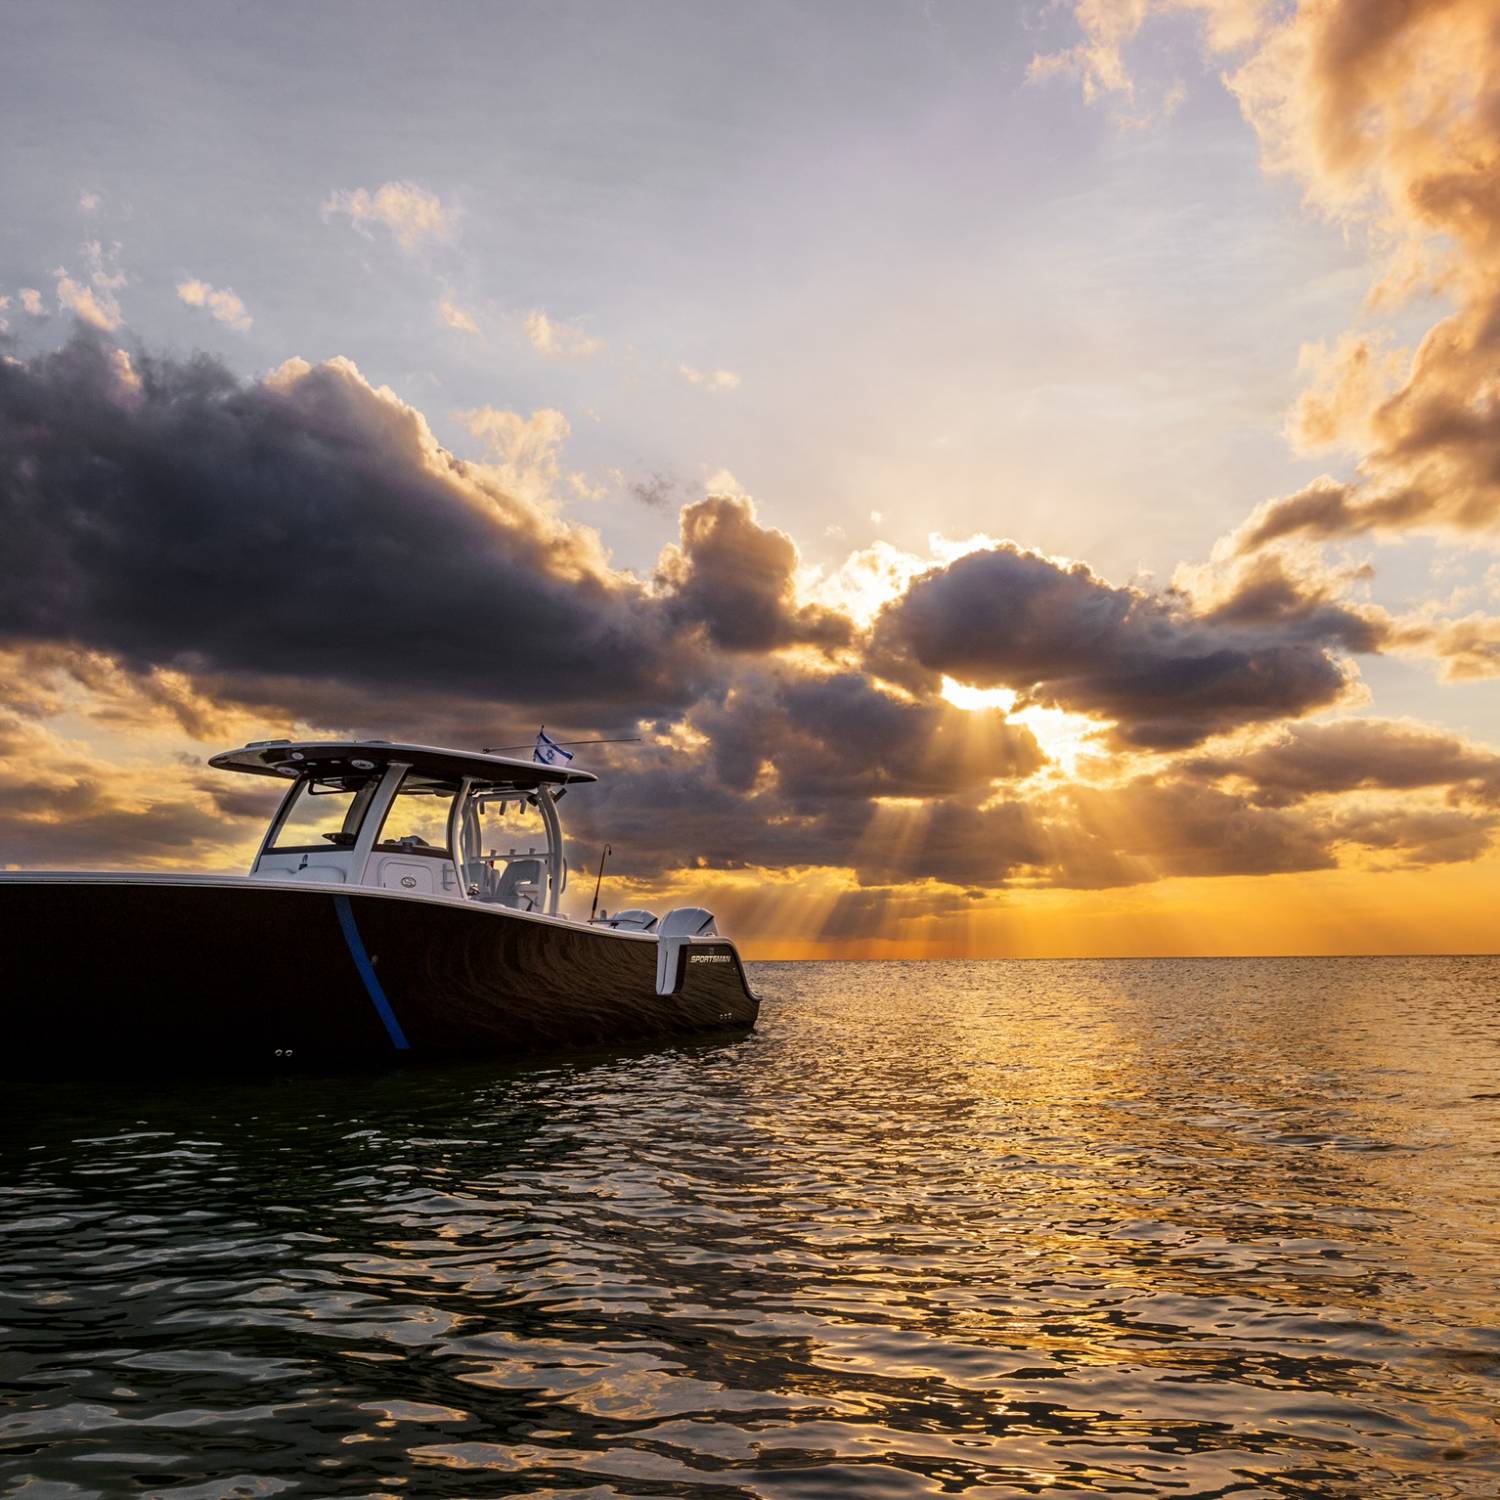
(244, 974)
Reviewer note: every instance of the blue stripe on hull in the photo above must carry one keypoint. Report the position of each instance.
(367, 973)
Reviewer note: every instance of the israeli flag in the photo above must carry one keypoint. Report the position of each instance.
(548, 751)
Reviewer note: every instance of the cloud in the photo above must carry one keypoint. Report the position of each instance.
(62, 806)
(415, 217)
(804, 796)
(794, 771)
(31, 302)
(128, 383)
(1296, 594)
(209, 522)
(655, 492)
(557, 340)
(1170, 827)
(1311, 760)
(455, 317)
(524, 452)
(1061, 636)
(206, 552)
(584, 488)
(1108, 26)
(723, 482)
(1468, 648)
(838, 735)
(1416, 837)
(222, 305)
(710, 380)
(88, 203)
(736, 579)
(99, 310)
(93, 302)
(1158, 828)
(1384, 112)
(1387, 113)
(1350, 382)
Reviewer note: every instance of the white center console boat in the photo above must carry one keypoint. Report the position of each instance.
(404, 901)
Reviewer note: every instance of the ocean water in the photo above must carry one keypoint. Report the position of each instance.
(986, 1229)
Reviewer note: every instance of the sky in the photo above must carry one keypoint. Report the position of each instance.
(1028, 472)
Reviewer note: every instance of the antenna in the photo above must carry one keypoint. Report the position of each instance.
(599, 881)
(626, 739)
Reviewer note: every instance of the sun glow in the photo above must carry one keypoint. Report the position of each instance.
(1065, 738)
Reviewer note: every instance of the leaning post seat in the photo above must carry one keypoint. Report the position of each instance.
(520, 886)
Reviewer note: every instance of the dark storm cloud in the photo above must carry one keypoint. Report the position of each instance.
(304, 529)
(1061, 635)
(791, 770)
(252, 803)
(672, 812)
(1267, 594)
(735, 579)
(1152, 828)
(956, 843)
(1358, 755)
(96, 833)
(61, 808)
(841, 736)
(179, 541)
(665, 818)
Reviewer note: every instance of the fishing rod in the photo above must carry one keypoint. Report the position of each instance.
(599, 880)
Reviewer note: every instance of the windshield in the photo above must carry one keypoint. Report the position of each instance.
(509, 825)
(321, 813)
(418, 819)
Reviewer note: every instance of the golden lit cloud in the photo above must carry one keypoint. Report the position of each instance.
(455, 317)
(415, 217)
(710, 380)
(554, 339)
(221, 303)
(523, 451)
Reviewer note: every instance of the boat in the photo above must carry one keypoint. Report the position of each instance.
(403, 903)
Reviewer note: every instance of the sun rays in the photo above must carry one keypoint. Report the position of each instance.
(1065, 738)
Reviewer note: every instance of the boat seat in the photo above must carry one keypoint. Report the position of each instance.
(520, 887)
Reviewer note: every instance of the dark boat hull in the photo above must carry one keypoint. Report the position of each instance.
(243, 974)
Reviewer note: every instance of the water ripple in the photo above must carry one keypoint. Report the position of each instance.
(998, 1229)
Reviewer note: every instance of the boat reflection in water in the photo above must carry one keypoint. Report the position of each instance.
(404, 901)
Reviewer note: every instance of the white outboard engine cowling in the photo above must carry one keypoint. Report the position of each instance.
(632, 920)
(678, 927)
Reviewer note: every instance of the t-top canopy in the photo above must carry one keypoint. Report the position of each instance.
(353, 757)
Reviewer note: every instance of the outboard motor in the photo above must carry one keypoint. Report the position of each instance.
(632, 920)
(679, 927)
(688, 921)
